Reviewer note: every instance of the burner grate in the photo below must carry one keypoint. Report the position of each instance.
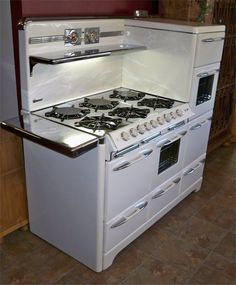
(156, 103)
(129, 112)
(99, 103)
(67, 113)
(99, 122)
(127, 95)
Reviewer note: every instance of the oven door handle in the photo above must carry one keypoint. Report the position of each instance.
(140, 157)
(169, 141)
(138, 208)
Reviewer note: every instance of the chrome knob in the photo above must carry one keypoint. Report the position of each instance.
(154, 123)
(148, 126)
(179, 112)
(125, 136)
(160, 120)
(141, 129)
(167, 117)
(133, 132)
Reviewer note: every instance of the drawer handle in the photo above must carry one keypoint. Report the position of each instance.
(191, 170)
(163, 191)
(210, 40)
(197, 126)
(140, 207)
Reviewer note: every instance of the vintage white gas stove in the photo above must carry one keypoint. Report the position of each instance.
(115, 118)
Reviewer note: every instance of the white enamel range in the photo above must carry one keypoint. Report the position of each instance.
(123, 116)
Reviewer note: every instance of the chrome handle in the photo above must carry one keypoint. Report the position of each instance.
(203, 160)
(169, 141)
(122, 166)
(177, 180)
(126, 164)
(190, 171)
(124, 220)
(159, 194)
(204, 74)
(210, 40)
(197, 126)
(163, 191)
(209, 119)
(119, 223)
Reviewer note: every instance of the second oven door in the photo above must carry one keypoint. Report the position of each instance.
(204, 88)
(169, 155)
(128, 179)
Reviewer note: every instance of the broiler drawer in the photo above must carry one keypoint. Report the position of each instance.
(209, 48)
(192, 173)
(126, 223)
(164, 194)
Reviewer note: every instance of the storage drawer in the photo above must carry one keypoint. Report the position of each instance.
(192, 173)
(209, 48)
(126, 223)
(163, 195)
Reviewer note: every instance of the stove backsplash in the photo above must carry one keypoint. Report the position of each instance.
(164, 68)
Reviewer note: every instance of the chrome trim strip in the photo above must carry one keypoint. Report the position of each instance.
(111, 34)
(59, 38)
(125, 150)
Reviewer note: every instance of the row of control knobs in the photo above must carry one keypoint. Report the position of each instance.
(147, 126)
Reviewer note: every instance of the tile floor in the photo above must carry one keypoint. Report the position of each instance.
(195, 243)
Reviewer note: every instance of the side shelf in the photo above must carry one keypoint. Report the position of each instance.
(82, 54)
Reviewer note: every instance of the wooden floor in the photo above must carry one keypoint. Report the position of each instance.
(193, 244)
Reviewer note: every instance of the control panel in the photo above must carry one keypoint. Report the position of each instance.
(153, 124)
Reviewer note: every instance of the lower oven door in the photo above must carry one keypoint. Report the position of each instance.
(204, 88)
(128, 179)
(169, 155)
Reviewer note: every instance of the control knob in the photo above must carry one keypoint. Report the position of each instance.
(173, 115)
(125, 136)
(160, 120)
(133, 132)
(154, 123)
(167, 117)
(148, 126)
(141, 129)
(179, 112)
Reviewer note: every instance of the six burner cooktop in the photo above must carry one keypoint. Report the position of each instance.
(107, 111)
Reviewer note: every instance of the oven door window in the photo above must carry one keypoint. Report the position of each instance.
(205, 89)
(169, 155)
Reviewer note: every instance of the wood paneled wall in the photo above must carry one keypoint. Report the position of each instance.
(13, 203)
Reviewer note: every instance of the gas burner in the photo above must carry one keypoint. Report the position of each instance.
(66, 113)
(99, 123)
(99, 103)
(156, 103)
(129, 112)
(127, 95)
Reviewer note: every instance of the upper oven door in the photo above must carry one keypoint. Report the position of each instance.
(204, 88)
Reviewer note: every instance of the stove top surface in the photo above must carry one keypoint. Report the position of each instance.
(122, 116)
(108, 111)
